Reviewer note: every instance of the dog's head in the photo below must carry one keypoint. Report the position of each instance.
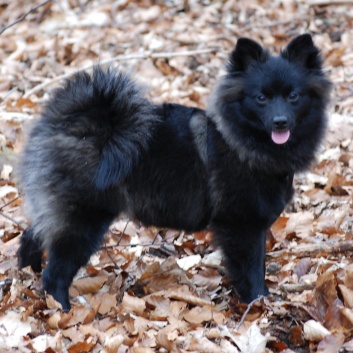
(272, 104)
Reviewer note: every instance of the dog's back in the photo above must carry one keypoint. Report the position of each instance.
(169, 187)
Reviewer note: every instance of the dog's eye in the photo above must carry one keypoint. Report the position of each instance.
(293, 96)
(261, 98)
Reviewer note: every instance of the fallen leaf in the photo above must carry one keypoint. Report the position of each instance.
(133, 304)
(89, 284)
(314, 331)
(201, 314)
(301, 224)
(189, 261)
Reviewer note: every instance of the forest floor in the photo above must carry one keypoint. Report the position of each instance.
(161, 290)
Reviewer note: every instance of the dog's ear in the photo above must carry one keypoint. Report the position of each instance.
(302, 50)
(245, 54)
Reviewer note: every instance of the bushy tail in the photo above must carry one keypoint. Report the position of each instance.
(110, 106)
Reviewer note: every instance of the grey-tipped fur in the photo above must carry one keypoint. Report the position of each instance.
(70, 139)
(101, 149)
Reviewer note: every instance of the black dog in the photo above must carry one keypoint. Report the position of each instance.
(101, 149)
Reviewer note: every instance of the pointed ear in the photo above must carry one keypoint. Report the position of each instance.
(303, 51)
(245, 54)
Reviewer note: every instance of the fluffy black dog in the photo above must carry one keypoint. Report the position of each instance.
(101, 149)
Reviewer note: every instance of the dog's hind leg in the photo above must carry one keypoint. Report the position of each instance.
(30, 251)
(72, 249)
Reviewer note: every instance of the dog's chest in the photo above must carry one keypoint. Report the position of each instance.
(240, 192)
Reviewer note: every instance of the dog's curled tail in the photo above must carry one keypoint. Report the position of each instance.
(110, 107)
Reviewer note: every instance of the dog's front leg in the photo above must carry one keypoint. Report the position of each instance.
(243, 245)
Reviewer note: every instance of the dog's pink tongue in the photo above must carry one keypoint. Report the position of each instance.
(280, 137)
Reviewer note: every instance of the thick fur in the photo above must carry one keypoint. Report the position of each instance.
(101, 149)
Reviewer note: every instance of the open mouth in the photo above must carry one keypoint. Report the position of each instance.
(280, 137)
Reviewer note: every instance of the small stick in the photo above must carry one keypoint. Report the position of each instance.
(11, 219)
(140, 244)
(111, 257)
(329, 2)
(123, 233)
(248, 309)
(34, 8)
(313, 250)
(145, 55)
(10, 202)
(106, 248)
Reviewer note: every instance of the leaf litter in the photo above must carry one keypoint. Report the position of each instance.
(159, 290)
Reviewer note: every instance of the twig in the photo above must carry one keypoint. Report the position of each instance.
(145, 55)
(329, 2)
(10, 202)
(313, 250)
(123, 233)
(141, 244)
(248, 309)
(155, 238)
(107, 250)
(8, 217)
(297, 287)
(34, 8)
(277, 23)
(111, 258)
(11, 219)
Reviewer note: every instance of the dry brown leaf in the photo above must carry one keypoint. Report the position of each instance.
(73, 334)
(77, 314)
(347, 295)
(139, 325)
(112, 344)
(201, 314)
(91, 330)
(348, 276)
(176, 309)
(52, 303)
(54, 320)
(335, 183)
(209, 279)
(335, 320)
(199, 343)
(317, 195)
(133, 304)
(161, 307)
(296, 336)
(325, 293)
(89, 284)
(103, 302)
(279, 228)
(301, 224)
(183, 293)
(348, 313)
(166, 337)
(84, 346)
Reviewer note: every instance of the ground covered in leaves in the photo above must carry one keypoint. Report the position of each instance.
(160, 290)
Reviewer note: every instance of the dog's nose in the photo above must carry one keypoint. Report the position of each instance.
(280, 123)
